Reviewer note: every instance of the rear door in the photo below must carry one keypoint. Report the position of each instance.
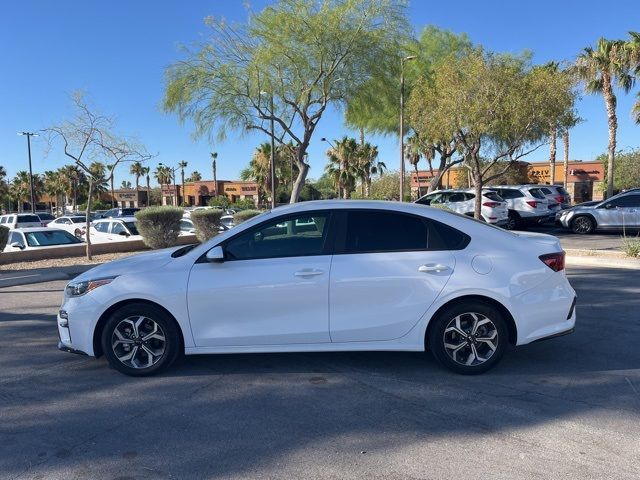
(388, 268)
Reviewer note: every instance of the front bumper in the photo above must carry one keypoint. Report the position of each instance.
(76, 321)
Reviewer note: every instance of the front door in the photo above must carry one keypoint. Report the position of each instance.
(387, 271)
(271, 289)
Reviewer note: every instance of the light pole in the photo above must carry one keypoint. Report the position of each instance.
(174, 198)
(324, 139)
(402, 60)
(33, 197)
(272, 160)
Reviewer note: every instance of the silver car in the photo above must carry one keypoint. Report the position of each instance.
(619, 212)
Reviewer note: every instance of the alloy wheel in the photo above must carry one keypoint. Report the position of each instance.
(138, 342)
(470, 339)
(582, 225)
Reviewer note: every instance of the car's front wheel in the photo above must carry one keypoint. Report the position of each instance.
(582, 225)
(513, 221)
(140, 339)
(468, 338)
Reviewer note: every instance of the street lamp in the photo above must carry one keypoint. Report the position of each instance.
(174, 199)
(402, 60)
(33, 197)
(272, 160)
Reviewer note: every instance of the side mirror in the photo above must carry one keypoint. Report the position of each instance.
(17, 245)
(123, 233)
(608, 206)
(216, 254)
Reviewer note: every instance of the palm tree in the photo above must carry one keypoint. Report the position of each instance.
(565, 144)
(343, 165)
(182, 165)
(76, 177)
(633, 50)
(259, 168)
(413, 153)
(214, 167)
(599, 68)
(20, 188)
(111, 168)
(137, 169)
(126, 184)
(163, 175)
(98, 171)
(195, 176)
(369, 165)
(55, 185)
(146, 171)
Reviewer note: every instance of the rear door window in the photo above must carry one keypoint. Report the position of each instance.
(102, 227)
(546, 191)
(457, 197)
(493, 196)
(536, 193)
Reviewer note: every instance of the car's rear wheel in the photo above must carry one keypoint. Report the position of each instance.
(140, 339)
(468, 338)
(582, 225)
(513, 221)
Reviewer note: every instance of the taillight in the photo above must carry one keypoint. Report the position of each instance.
(491, 204)
(555, 261)
(532, 203)
(560, 198)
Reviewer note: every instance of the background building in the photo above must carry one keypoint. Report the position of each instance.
(199, 193)
(585, 180)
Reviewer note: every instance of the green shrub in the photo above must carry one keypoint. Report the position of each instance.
(206, 222)
(631, 246)
(220, 201)
(159, 226)
(243, 204)
(4, 236)
(245, 215)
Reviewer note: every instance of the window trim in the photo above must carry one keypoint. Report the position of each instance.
(327, 248)
(341, 238)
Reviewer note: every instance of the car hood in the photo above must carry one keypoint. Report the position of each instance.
(132, 264)
(542, 239)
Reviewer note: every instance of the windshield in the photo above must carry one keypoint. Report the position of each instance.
(53, 237)
(28, 219)
(78, 219)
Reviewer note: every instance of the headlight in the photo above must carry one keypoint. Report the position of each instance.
(77, 289)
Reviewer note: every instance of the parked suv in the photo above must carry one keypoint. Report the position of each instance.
(526, 205)
(493, 210)
(619, 212)
(120, 212)
(556, 193)
(21, 220)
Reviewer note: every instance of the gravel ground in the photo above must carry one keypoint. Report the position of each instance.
(64, 262)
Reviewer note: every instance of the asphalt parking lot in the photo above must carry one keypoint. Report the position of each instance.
(611, 241)
(564, 408)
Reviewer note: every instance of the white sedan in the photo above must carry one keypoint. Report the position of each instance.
(360, 275)
(38, 238)
(114, 230)
(75, 224)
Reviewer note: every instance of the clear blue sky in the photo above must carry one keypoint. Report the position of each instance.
(117, 51)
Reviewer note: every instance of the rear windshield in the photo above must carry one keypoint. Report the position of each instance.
(562, 190)
(28, 219)
(536, 192)
(46, 216)
(493, 196)
(54, 237)
(132, 228)
(129, 211)
(78, 219)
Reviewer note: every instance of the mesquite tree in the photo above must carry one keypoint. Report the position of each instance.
(287, 64)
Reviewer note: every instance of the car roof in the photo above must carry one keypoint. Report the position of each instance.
(129, 218)
(36, 229)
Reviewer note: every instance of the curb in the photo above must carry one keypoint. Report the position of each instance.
(607, 261)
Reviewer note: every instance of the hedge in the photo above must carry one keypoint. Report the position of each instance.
(243, 215)
(207, 223)
(159, 226)
(4, 236)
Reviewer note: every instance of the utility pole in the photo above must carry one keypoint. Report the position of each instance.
(272, 163)
(402, 60)
(33, 197)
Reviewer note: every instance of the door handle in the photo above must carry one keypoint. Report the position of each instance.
(308, 273)
(432, 268)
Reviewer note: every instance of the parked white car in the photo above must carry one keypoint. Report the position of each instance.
(493, 208)
(75, 224)
(526, 205)
(556, 194)
(21, 220)
(37, 238)
(187, 227)
(361, 275)
(118, 229)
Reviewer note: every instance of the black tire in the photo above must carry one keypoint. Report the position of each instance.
(116, 350)
(479, 351)
(583, 225)
(513, 221)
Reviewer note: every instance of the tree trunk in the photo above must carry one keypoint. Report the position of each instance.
(415, 167)
(181, 187)
(552, 156)
(303, 170)
(565, 141)
(610, 103)
(88, 219)
(477, 183)
(368, 187)
(112, 194)
(148, 192)
(75, 195)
